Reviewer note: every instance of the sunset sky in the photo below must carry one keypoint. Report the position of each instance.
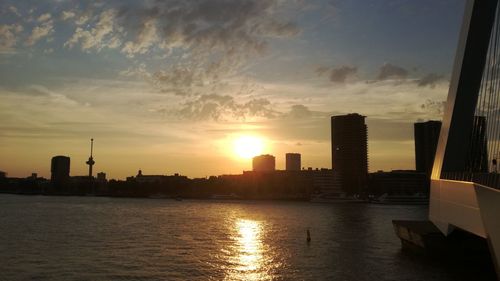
(169, 86)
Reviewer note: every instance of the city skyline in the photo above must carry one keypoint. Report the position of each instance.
(251, 148)
(172, 96)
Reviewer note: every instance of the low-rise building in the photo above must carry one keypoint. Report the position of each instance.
(399, 182)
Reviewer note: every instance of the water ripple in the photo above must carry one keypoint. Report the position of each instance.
(71, 238)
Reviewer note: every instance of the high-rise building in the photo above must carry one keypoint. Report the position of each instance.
(293, 162)
(350, 151)
(264, 163)
(59, 168)
(426, 138)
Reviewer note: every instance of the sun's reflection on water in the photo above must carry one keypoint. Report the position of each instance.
(248, 261)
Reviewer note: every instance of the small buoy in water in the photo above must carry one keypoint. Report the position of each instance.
(308, 236)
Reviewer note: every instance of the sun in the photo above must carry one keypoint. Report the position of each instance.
(248, 146)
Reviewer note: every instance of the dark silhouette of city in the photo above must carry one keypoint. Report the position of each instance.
(349, 177)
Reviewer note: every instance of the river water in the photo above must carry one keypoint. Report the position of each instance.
(90, 238)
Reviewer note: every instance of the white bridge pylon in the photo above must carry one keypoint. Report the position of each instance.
(460, 201)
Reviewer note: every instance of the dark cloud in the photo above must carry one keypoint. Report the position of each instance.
(320, 70)
(337, 74)
(390, 71)
(179, 80)
(258, 107)
(223, 25)
(299, 111)
(203, 41)
(221, 107)
(433, 107)
(429, 80)
(340, 74)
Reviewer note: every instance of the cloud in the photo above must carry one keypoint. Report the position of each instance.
(114, 42)
(178, 80)
(340, 74)
(258, 108)
(390, 71)
(136, 71)
(41, 93)
(14, 10)
(395, 101)
(206, 25)
(8, 37)
(46, 28)
(45, 17)
(83, 19)
(224, 107)
(146, 37)
(217, 37)
(204, 40)
(320, 70)
(66, 15)
(430, 80)
(97, 37)
(433, 107)
(298, 111)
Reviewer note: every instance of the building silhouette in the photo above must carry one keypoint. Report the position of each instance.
(426, 135)
(59, 170)
(350, 151)
(326, 184)
(293, 162)
(101, 177)
(264, 163)
(399, 183)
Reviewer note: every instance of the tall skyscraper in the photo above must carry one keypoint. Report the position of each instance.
(264, 163)
(350, 151)
(426, 138)
(293, 162)
(59, 168)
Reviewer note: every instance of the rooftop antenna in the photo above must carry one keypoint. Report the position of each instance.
(91, 161)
